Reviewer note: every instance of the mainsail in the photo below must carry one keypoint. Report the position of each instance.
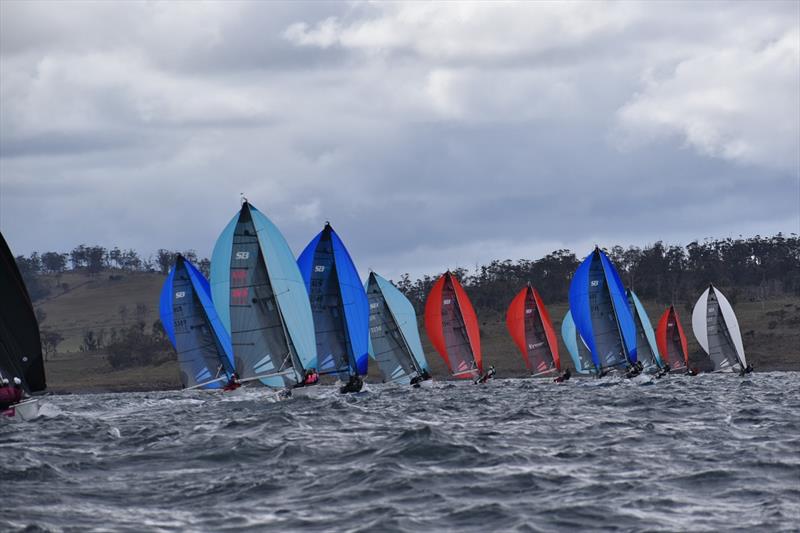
(529, 325)
(600, 311)
(205, 354)
(20, 345)
(339, 305)
(262, 301)
(452, 327)
(394, 338)
(717, 331)
(580, 354)
(672, 341)
(647, 351)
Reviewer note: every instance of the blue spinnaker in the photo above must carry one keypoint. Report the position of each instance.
(570, 336)
(339, 305)
(649, 333)
(406, 319)
(596, 275)
(194, 328)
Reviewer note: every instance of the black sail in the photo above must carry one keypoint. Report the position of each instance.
(20, 345)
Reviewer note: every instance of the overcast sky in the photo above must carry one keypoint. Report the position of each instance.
(430, 135)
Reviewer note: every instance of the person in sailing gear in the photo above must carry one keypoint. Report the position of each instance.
(748, 368)
(692, 372)
(564, 377)
(632, 371)
(425, 374)
(232, 383)
(312, 378)
(354, 385)
(10, 394)
(415, 381)
(487, 376)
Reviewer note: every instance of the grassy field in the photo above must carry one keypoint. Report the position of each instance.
(771, 331)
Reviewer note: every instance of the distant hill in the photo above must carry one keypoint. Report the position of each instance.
(103, 303)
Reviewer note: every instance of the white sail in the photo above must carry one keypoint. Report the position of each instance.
(733, 325)
(699, 325)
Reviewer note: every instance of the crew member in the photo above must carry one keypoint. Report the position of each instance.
(564, 377)
(233, 383)
(10, 394)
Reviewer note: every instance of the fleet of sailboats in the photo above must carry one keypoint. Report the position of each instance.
(268, 319)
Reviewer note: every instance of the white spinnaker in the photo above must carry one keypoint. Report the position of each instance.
(699, 321)
(731, 323)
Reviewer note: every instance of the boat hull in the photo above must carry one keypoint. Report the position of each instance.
(25, 410)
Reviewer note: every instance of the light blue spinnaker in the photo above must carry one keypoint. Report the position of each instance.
(205, 354)
(393, 330)
(581, 359)
(647, 348)
(284, 289)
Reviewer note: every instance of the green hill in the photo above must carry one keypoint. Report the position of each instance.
(105, 303)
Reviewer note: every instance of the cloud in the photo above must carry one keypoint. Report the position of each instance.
(739, 104)
(429, 134)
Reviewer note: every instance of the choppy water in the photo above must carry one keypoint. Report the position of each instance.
(709, 453)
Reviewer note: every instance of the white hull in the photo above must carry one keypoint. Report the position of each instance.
(24, 410)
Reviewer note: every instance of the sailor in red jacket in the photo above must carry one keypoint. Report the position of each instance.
(10, 395)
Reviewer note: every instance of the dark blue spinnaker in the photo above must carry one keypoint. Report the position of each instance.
(339, 305)
(600, 311)
(188, 315)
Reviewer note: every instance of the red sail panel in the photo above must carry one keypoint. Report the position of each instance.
(684, 344)
(433, 320)
(470, 321)
(515, 321)
(552, 340)
(661, 335)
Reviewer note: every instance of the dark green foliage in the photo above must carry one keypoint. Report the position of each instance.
(134, 347)
(756, 268)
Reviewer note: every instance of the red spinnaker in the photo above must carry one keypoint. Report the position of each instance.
(669, 321)
(515, 321)
(458, 311)
(552, 340)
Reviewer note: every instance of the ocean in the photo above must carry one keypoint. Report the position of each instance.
(707, 453)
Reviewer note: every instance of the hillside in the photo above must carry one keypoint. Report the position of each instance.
(103, 304)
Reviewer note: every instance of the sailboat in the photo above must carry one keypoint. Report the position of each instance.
(647, 350)
(580, 354)
(600, 311)
(20, 345)
(453, 328)
(529, 325)
(339, 306)
(262, 302)
(205, 353)
(672, 341)
(394, 338)
(717, 330)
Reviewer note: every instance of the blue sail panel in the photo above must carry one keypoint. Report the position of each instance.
(203, 292)
(221, 273)
(648, 329)
(406, 319)
(580, 308)
(165, 307)
(306, 261)
(354, 302)
(624, 318)
(289, 287)
(570, 336)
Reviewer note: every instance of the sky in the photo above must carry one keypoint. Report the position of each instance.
(430, 135)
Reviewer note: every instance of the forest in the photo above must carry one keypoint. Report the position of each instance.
(755, 267)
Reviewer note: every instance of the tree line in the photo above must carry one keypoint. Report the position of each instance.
(759, 266)
(756, 267)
